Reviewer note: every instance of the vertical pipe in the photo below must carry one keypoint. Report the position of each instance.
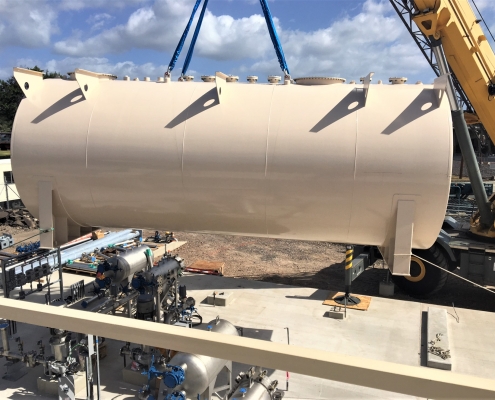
(98, 385)
(6, 191)
(349, 255)
(60, 277)
(4, 280)
(287, 372)
(129, 310)
(5, 337)
(89, 387)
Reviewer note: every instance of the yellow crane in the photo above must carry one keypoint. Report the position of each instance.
(467, 52)
(461, 47)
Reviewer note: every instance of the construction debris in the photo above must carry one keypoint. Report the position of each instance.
(20, 218)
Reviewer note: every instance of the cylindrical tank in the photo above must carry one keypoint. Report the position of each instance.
(127, 263)
(326, 162)
(201, 370)
(255, 385)
(60, 347)
(145, 308)
(166, 265)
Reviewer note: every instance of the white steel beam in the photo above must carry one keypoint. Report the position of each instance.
(415, 381)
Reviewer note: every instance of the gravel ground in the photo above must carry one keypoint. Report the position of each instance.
(486, 172)
(317, 265)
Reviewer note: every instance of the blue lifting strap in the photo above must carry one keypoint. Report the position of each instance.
(193, 40)
(178, 49)
(274, 37)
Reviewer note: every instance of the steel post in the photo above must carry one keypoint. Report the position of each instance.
(462, 134)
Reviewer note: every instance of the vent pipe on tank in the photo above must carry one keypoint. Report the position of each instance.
(397, 81)
(208, 78)
(252, 79)
(273, 79)
(232, 78)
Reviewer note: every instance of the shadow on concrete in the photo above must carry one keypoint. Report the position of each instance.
(65, 102)
(460, 293)
(319, 295)
(261, 334)
(202, 104)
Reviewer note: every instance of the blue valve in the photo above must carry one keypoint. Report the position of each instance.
(176, 396)
(174, 377)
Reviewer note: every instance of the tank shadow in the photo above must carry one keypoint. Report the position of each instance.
(345, 107)
(60, 105)
(423, 104)
(195, 108)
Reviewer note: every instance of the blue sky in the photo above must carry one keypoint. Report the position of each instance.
(345, 38)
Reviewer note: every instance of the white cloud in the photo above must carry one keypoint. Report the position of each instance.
(374, 39)
(101, 64)
(26, 23)
(482, 5)
(98, 21)
(76, 5)
(5, 73)
(160, 26)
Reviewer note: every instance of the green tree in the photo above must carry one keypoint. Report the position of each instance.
(11, 96)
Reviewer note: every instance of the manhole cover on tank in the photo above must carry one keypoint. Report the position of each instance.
(318, 80)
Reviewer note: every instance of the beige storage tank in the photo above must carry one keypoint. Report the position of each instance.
(327, 162)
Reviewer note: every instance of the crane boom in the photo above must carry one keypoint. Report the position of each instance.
(466, 49)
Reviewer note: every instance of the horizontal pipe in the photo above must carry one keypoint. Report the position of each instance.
(75, 251)
(43, 287)
(414, 381)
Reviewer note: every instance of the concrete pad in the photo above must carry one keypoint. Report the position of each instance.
(390, 330)
(438, 340)
(386, 289)
(221, 299)
(15, 370)
(335, 314)
(134, 377)
(50, 386)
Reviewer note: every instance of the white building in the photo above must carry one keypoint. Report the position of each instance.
(9, 197)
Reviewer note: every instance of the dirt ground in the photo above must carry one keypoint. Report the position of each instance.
(317, 265)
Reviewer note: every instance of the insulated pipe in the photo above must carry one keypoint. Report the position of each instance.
(75, 252)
